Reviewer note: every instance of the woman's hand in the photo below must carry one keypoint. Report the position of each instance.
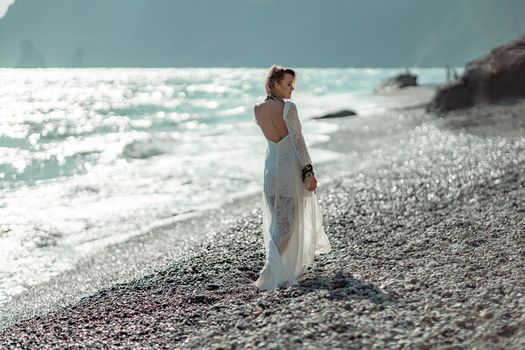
(311, 183)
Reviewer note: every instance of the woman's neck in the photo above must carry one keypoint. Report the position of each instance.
(273, 97)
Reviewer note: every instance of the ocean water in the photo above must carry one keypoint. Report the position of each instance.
(93, 157)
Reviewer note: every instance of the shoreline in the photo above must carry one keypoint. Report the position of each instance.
(427, 252)
(165, 243)
(159, 247)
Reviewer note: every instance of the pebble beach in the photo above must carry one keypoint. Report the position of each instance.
(426, 217)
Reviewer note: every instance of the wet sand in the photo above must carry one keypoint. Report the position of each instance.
(426, 216)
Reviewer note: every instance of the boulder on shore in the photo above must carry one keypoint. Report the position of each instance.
(496, 76)
(340, 114)
(399, 81)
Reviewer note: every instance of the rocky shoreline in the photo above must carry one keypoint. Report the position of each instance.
(428, 252)
(496, 76)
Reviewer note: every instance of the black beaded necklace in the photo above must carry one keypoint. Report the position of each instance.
(270, 96)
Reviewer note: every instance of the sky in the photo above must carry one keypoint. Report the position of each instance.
(254, 33)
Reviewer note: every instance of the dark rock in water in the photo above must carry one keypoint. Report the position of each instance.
(340, 114)
(399, 81)
(496, 76)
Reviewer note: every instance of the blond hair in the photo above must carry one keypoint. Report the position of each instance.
(276, 74)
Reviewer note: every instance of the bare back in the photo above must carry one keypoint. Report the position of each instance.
(269, 116)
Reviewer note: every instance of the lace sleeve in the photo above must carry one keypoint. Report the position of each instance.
(294, 129)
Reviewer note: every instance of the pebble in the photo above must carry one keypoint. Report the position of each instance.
(416, 263)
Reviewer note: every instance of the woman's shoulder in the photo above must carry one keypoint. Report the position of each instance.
(267, 105)
(274, 107)
(258, 107)
(259, 104)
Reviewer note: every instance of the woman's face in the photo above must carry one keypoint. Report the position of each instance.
(284, 88)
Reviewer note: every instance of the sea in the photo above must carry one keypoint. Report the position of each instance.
(92, 157)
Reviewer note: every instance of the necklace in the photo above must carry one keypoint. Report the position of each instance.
(274, 98)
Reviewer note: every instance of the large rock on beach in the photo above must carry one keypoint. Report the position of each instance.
(496, 76)
(399, 81)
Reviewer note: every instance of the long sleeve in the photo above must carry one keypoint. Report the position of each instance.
(294, 129)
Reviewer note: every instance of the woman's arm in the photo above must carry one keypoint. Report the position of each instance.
(294, 129)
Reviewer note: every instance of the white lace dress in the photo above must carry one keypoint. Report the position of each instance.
(292, 219)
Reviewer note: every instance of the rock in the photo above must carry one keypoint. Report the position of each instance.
(453, 96)
(214, 286)
(399, 81)
(340, 114)
(496, 76)
(339, 283)
(200, 299)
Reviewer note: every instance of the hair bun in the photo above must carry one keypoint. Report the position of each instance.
(276, 74)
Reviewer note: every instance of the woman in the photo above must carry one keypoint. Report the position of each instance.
(292, 219)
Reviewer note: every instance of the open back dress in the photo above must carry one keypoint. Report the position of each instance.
(292, 219)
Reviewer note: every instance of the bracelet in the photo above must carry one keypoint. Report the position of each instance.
(308, 170)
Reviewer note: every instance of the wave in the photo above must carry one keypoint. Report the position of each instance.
(148, 147)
